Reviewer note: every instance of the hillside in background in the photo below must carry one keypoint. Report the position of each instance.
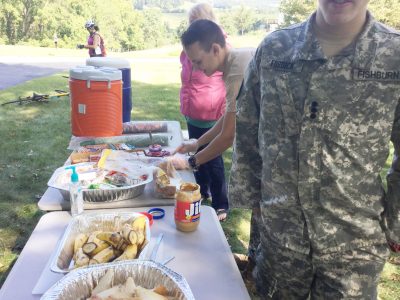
(125, 25)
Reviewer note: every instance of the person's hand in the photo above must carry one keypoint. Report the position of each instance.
(80, 46)
(395, 247)
(187, 146)
(179, 162)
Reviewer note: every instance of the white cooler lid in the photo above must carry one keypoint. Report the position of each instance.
(113, 62)
(96, 74)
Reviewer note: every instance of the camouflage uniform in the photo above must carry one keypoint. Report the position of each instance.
(312, 135)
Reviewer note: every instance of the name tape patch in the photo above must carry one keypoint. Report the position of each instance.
(376, 75)
(282, 65)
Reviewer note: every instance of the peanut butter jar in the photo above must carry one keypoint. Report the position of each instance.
(187, 207)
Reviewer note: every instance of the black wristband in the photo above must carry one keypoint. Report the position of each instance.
(192, 163)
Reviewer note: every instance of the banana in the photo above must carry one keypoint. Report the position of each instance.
(114, 239)
(139, 224)
(79, 241)
(129, 253)
(81, 259)
(103, 256)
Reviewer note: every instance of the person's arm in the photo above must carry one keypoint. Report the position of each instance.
(245, 174)
(391, 214)
(211, 134)
(226, 127)
(222, 141)
(193, 145)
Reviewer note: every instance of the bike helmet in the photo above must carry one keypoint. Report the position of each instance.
(89, 24)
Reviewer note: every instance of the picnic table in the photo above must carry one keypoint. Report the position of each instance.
(52, 199)
(203, 257)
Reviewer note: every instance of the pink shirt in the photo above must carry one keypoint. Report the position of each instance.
(90, 41)
(202, 97)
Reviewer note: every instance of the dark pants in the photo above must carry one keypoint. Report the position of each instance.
(210, 175)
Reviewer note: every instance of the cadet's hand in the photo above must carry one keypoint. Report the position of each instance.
(80, 46)
(395, 247)
(187, 146)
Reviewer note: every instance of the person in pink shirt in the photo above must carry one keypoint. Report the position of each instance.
(95, 42)
(202, 100)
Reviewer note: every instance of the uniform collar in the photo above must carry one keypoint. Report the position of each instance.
(365, 47)
(307, 46)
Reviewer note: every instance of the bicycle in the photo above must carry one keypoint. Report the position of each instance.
(41, 98)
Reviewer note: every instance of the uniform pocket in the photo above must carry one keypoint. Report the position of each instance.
(282, 128)
(360, 120)
(291, 116)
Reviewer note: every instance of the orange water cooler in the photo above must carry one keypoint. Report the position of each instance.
(96, 101)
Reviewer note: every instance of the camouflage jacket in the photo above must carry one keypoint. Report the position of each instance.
(312, 136)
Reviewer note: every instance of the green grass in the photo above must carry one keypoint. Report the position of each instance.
(35, 138)
(34, 143)
(249, 40)
(389, 286)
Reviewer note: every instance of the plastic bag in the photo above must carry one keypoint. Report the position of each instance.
(144, 127)
(167, 180)
(124, 162)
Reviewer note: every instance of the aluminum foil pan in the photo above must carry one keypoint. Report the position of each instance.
(88, 223)
(102, 195)
(148, 274)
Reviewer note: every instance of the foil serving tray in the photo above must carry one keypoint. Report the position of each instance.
(102, 195)
(79, 283)
(88, 223)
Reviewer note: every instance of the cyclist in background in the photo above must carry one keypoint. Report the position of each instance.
(95, 42)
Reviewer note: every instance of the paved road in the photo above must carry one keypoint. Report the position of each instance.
(15, 70)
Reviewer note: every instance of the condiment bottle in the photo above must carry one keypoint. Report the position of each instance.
(75, 192)
(187, 207)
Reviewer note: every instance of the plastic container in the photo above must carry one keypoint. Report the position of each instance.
(96, 101)
(148, 215)
(125, 67)
(187, 207)
(75, 191)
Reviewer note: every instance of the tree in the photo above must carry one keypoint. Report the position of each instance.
(386, 11)
(227, 23)
(9, 21)
(28, 14)
(296, 11)
(243, 19)
(153, 28)
(183, 25)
